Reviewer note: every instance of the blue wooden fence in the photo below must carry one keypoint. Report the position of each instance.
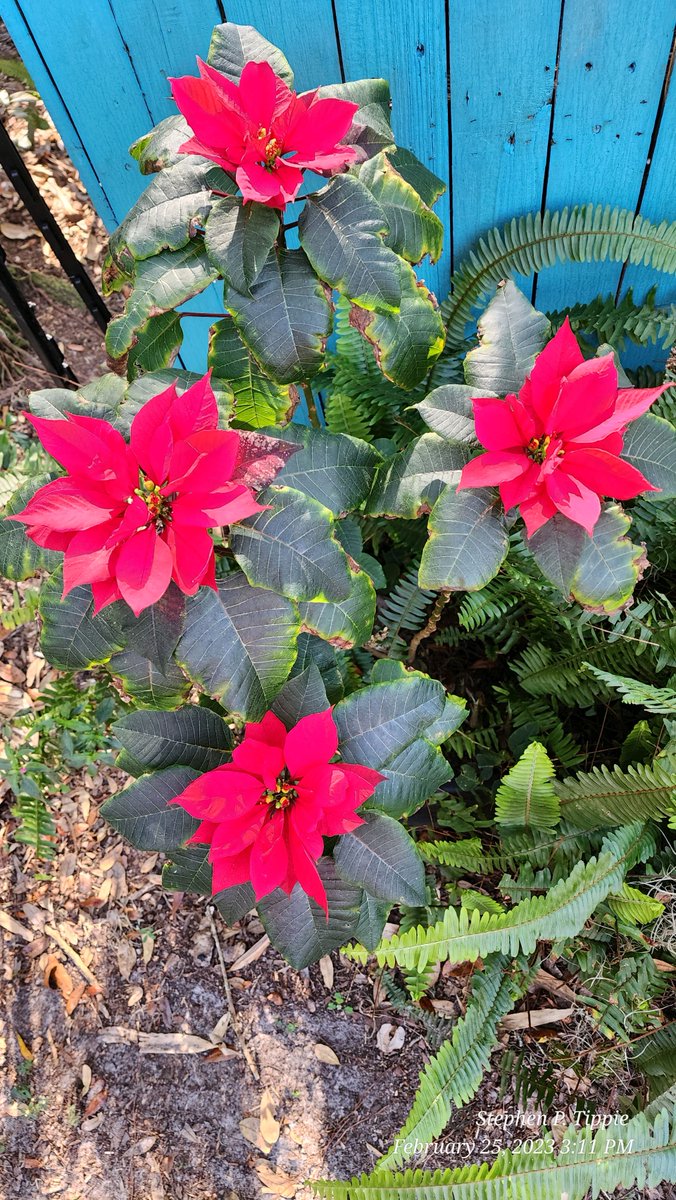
(517, 105)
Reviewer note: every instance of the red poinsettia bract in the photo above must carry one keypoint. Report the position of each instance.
(262, 132)
(555, 447)
(130, 518)
(265, 814)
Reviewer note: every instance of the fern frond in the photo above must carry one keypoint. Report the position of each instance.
(453, 1076)
(655, 1055)
(404, 610)
(596, 1160)
(586, 233)
(526, 795)
(601, 798)
(545, 671)
(632, 691)
(492, 603)
(36, 826)
(463, 937)
(615, 321)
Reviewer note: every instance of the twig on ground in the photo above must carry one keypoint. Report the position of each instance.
(248, 1058)
(73, 956)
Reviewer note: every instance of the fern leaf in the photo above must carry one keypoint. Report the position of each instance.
(465, 853)
(404, 610)
(586, 233)
(598, 1160)
(463, 937)
(602, 798)
(634, 907)
(453, 1076)
(655, 1055)
(526, 795)
(656, 700)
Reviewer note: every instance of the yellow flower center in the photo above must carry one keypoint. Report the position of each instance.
(537, 448)
(283, 795)
(158, 505)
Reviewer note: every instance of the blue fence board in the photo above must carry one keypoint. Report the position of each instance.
(609, 87)
(472, 85)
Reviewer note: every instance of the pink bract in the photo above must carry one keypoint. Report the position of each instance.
(261, 132)
(556, 446)
(130, 518)
(265, 814)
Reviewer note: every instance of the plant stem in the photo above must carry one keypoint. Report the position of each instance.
(439, 605)
(311, 406)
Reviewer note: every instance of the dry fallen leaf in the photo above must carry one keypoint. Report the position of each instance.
(274, 1181)
(86, 1077)
(326, 1055)
(269, 1125)
(16, 233)
(142, 1146)
(390, 1038)
(250, 956)
(24, 1050)
(135, 996)
(126, 958)
(250, 1128)
(326, 968)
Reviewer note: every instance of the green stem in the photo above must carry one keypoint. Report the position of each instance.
(311, 406)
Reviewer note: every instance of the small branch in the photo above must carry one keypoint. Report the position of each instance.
(311, 406)
(73, 956)
(228, 995)
(439, 605)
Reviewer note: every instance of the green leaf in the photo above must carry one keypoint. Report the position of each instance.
(312, 651)
(167, 214)
(428, 186)
(161, 283)
(147, 683)
(157, 344)
(257, 401)
(239, 644)
(609, 565)
(511, 334)
(557, 548)
(376, 723)
(291, 548)
(159, 149)
(412, 777)
(298, 927)
(526, 795)
(20, 557)
(155, 633)
(414, 230)
(333, 468)
(410, 483)
(239, 238)
(233, 46)
(188, 870)
(372, 917)
(448, 411)
(370, 130)
(343, 623)
(634, 907)
(382, 857)
(650, 445)
(286, 320)
(143, 814)
(300, 696)
(340, 231)
(468, 541)
(101, 398)
(73, 639)
(192, 736)
(405, 343)
(235, 902)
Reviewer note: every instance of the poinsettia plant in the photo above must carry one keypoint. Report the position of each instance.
(287, 198)
(235, 571)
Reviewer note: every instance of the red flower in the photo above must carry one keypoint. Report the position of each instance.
(262, 132)
(130, 518)
(265, 814)
(555, 446)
